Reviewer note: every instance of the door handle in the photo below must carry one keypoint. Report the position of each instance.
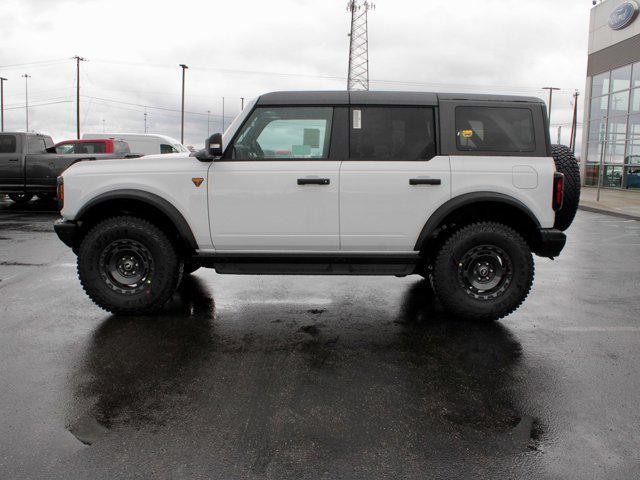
(425, 181)
(14, 159)
(314, 181)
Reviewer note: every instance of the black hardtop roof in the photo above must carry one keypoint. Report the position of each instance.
(328, 97)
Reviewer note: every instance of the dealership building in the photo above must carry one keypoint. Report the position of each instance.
(611, 129)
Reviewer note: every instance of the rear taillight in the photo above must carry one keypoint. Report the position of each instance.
(558, 191)
(60, 192)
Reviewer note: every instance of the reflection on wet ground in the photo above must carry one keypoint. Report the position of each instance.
(312, 387)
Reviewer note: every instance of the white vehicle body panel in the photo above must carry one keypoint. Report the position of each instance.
(167, 176)
(380, 210)
(511, 176)
(141, 143)
(259, 206)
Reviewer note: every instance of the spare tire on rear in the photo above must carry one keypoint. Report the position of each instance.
(567, 165)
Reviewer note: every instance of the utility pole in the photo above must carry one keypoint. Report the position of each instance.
(78, 60)
(208, 123)
(26, 97)
(358, 76)
(559, 135)
(184, 68)
(241, 103)
(574, 122)
(2, 80)
(222, 115)
(145, 119)
(103, 126)
(551, 89)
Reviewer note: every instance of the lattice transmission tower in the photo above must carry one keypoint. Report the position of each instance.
(358, 77)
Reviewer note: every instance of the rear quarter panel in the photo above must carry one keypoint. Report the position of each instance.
(527, 179)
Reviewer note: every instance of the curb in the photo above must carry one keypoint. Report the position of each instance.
(609, 212)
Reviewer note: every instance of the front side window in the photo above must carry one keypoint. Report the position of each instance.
(285, 133)
(392, 133)
(36, 145)
(494, 129)
(7, 144)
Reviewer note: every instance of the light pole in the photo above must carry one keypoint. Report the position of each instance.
(78, 59)
(103, 126)
(551, 89)
(2, 80)
(222, 114)
(26, 97)
(184, 68)
(145, 121)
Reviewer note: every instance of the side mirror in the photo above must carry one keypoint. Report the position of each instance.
(212, 148)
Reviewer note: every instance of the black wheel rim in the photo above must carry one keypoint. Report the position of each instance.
(126, 266)
(485, 272)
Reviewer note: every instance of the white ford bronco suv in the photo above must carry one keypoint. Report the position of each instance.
(458, 188)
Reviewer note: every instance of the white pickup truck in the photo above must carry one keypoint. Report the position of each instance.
(459, 188)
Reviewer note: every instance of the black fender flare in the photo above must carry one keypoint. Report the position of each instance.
(467, 199)
(179, 222)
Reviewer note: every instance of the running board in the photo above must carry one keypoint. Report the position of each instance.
(310, 263)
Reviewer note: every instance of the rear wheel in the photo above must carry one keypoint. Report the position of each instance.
(484, 271)
(20, 197)
(128, 266)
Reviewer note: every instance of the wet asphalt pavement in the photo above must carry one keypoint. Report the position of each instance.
(319, 377)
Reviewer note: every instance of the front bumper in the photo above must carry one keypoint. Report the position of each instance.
(550, 242)
(67, 232)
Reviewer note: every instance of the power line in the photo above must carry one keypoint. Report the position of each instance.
(569, 90)
(39, 105)
(41, 62)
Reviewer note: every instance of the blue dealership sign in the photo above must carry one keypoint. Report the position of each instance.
(623, 15)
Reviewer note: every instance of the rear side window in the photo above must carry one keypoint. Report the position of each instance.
(392, 133)
(7, 144)
(120, 147)
(90, 147)
(36, 145)
(164, 148)
(494, 129)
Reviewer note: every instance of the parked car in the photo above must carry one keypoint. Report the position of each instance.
(143, 143)
(105, 145)
(29, 165)
(460, 189)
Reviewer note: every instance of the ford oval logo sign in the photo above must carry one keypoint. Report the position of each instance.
(623, 15)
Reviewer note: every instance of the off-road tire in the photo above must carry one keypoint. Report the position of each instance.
(567, 165)
(20, 198)
(156, 288)
(449, 283)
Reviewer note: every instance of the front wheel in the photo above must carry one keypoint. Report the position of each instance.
(128, 266)
(483, 272)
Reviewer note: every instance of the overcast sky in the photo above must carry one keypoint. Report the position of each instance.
(241, 48)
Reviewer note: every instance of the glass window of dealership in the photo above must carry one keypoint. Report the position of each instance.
(614, 128)
(612, 110)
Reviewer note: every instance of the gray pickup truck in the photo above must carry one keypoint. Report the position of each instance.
(29, 165)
